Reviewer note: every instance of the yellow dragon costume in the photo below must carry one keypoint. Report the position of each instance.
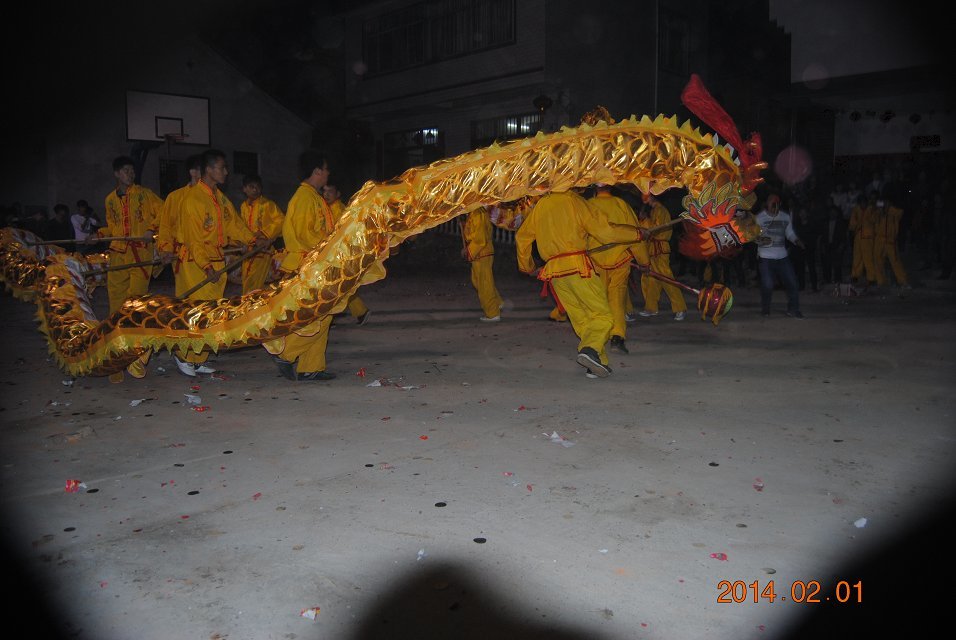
(652, 154)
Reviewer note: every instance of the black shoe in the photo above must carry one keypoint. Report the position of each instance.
(617, 344)
(589, 359)
(286, 368)
(362, 319)
(794, 314)
(315, 375)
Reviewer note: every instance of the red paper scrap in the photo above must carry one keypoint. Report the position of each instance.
(201, 408)
(72, 486)
(529, 488)
(361, 372)
(719, 556)
(195, 387)
(257, 496)
(423, 437)
(184, 517)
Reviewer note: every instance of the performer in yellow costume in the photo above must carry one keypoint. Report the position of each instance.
(614, 263)
(659, 255)
(168, 238)
(208, 223)
(131, 211)
(560, 224)
(887, 228)
(333, 197)
(479, 250)
(863, 227)
(262, 216)
(308, 221)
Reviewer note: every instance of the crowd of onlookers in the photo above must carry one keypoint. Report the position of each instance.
(921, 186)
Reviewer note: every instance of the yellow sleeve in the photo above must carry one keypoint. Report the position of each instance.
(234, 227)
(524, 239)
(166, 234)
(195, 237)
(272, 218)
(110, 214)
(596, 224)
(153, 210)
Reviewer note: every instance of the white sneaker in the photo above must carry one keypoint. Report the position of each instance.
(185, 368)
(202, 368)
(644, 313)
(630, 317)
(589, 375)
(680, 315)
(497, 318)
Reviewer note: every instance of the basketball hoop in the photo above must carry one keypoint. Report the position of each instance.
(171, 138)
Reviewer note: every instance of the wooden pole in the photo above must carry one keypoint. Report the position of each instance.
(94, 240)
(226, 269)
(120, 267)
(646, 232)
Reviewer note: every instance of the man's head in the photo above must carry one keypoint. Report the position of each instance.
(214, 169)
(124, 171)
(252, 186)
(61, 211)
(331, 193)
(773, 203)
(314, 168)
(83, 207)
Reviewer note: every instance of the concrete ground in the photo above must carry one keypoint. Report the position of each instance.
(440, 504)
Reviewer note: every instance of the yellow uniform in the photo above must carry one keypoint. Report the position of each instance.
(135, 213)
(357, 308)
(308, 221)
(560, 224)
(480, 251)
(265, 216)
(863, 227)
(887, 228)
(614, 264)
(659, 260)
(207, 223)
(168, 238)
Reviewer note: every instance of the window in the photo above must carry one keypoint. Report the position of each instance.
(245, 163)
(413, 148)
(485, 132)
(436, 30)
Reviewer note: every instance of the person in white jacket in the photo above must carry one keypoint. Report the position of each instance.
(774, 262)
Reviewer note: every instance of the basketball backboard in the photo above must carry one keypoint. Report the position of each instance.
(158, 117)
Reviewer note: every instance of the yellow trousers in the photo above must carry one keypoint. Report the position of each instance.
(615, 284)
(585, 301)
(863, 263)
(255, 270)
(305, 348)
(191, 275)
(651, 287)
(124, 283)
(483, 280)
(357, 308)
(883, 251)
